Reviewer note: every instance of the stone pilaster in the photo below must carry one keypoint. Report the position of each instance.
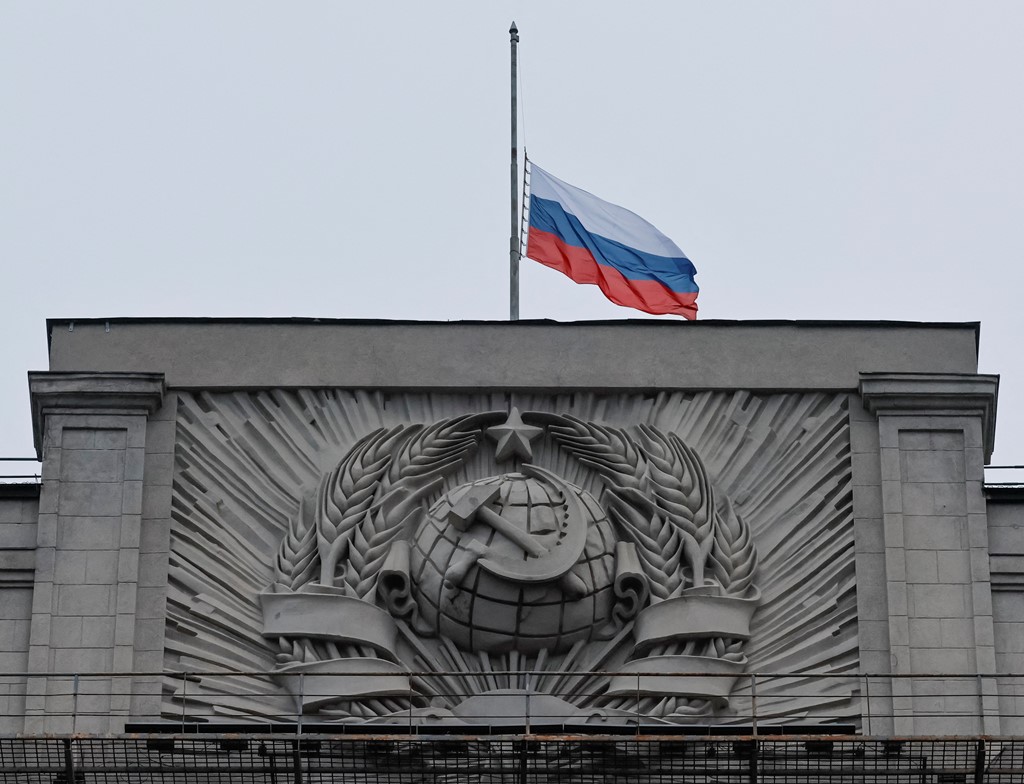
(90, 431)
(935, 432)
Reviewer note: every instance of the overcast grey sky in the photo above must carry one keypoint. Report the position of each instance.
(816, 160)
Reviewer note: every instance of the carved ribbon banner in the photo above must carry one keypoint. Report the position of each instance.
(696, 613)
(326, 615)
(699, 677)
(319, 684)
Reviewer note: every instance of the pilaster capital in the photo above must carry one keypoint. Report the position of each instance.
(91, 393)
(934, 394)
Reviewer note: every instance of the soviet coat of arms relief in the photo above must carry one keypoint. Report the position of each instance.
(449, 600)
(394, 558)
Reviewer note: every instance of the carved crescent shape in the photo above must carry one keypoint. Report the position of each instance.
(560, 558)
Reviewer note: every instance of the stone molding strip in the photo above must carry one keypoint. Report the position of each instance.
(1007, 572)
(18, 565)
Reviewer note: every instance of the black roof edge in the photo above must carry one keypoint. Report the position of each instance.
(1007, 492)
(19, 490)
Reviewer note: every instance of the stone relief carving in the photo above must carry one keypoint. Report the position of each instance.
(594, 553)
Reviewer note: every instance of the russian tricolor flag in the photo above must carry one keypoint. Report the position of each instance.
(593, 241)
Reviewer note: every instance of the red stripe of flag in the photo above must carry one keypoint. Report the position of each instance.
(579, 264)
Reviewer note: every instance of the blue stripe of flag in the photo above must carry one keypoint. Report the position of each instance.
(675, 274)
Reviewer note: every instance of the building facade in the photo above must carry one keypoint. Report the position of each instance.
(593, 525)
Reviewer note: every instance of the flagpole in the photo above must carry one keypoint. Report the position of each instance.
(513, 242)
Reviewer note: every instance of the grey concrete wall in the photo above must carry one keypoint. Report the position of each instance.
(1006, 537)
(503, 355)
(154, 541)
(19, 510)
(1006, 557)
(872, 602)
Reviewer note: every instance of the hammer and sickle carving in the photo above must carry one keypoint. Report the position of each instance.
(542, 564)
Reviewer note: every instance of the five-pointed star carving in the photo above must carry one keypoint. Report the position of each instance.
(514, 437)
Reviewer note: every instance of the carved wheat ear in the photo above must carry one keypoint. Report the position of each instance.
(698, 504)
(683, 500)
(733, 560)
(371, 496)
(296, 563)
(610, 452)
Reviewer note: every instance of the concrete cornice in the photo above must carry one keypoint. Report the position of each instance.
(541, 357)
(931, 394)
(91, 393)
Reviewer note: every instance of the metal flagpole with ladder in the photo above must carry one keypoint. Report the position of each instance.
(514, 250)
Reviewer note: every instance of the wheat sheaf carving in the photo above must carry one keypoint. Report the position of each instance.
(376, 492)
(658, 491)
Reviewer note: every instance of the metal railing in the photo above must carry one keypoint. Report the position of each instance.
(217, 726)
(513, 760)
(7, 475)
(1004, 476)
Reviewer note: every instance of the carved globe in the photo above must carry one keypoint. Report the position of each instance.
(460, 598)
